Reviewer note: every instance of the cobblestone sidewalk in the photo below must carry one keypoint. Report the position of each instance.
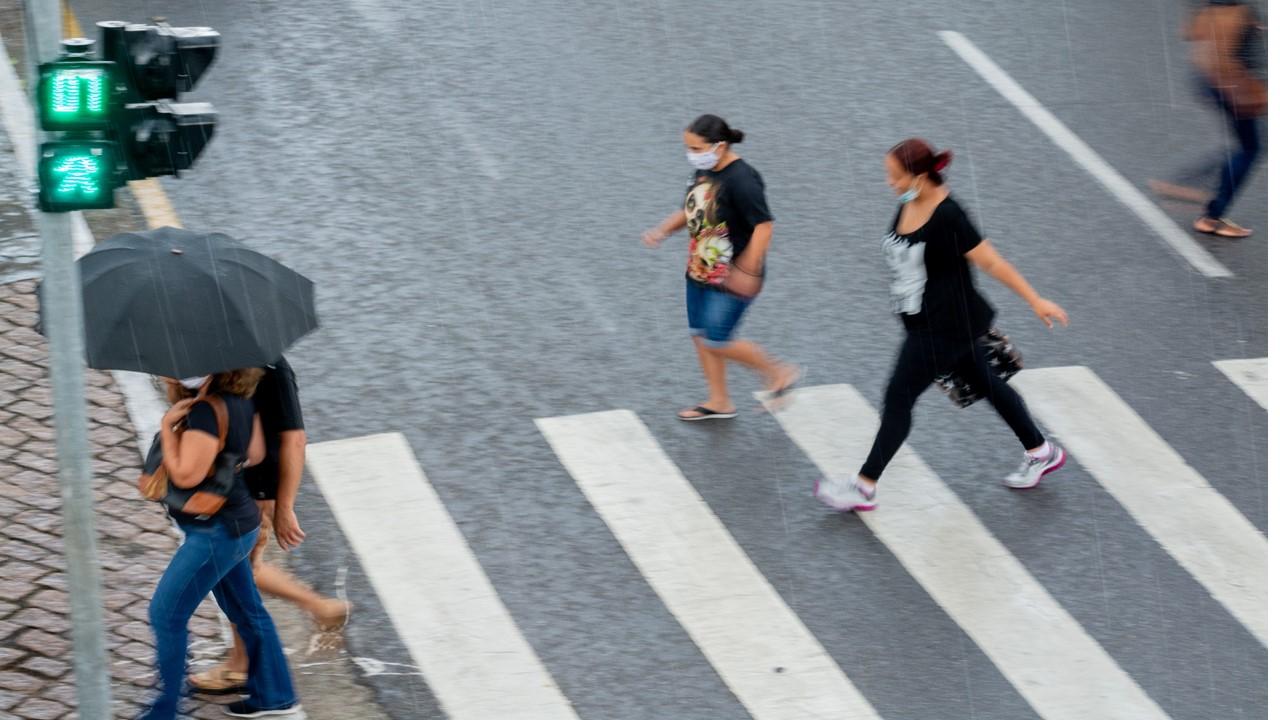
(134, 537)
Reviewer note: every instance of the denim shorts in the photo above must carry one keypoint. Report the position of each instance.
(713, 314)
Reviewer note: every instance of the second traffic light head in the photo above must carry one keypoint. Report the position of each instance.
(157, 61)
(166, 138)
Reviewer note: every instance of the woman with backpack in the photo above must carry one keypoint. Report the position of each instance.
(210, 416)
(929, 250)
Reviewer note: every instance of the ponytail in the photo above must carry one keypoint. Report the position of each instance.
(919, 158)
(716, 130)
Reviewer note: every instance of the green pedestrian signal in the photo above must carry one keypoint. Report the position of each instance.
(77, 175)
(76, 95)
(118, 117)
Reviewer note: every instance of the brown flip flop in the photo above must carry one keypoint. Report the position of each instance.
(218, 680)
(1221, 228)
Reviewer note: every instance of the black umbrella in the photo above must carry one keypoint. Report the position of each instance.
(178, 303)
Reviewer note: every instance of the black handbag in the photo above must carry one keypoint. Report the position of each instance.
(1002, 356)
(201, 501)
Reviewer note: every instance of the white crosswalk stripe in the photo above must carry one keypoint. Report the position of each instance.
(1202, 530)
(728, 608)
(1052, 661)
(1249, 374)
(432, 587)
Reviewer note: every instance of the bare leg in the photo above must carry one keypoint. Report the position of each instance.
(713, 368)
(237, 659)
(776, 374)
(277, 583)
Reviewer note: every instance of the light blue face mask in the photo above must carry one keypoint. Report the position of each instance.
(909, 195)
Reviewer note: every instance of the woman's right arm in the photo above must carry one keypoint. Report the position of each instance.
(188, 458)
(654, 236)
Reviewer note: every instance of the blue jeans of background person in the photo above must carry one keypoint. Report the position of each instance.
(713, 314)
(211, 559)
(1238, 165)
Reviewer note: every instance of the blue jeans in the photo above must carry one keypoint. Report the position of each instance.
(713, 314)
(1238, 165)
(212, 560)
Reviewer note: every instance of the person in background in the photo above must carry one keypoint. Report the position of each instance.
(274, 483)
(214, 555)
(1229, 58)
(730, 229)
(929, 250)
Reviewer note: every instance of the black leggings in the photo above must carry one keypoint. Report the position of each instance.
(922, 358)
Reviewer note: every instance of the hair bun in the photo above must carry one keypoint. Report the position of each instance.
(942, 160)
(736, 136)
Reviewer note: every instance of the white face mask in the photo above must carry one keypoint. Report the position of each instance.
(703, 160)
(193, 383)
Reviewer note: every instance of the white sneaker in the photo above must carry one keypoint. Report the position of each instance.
(1034, 469)
(846, 494)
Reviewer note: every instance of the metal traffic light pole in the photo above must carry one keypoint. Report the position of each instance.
(63, 318)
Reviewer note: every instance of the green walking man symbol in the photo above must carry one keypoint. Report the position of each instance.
(78, 175)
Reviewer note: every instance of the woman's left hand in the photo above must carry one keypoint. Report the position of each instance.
(1048, 311)
(179, 410)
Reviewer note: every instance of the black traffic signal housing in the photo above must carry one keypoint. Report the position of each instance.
(157, 63)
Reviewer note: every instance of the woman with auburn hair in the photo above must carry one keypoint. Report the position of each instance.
(214, 555)
(929, 250)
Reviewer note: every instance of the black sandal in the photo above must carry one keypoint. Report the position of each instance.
(705, 413)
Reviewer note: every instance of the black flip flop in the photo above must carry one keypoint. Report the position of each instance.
(707, 414)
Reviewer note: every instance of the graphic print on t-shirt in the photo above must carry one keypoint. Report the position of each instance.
(906, 265)
(709, 247)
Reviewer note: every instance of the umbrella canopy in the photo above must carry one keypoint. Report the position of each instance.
(179, 303)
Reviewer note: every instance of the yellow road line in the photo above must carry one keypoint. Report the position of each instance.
(152, 199)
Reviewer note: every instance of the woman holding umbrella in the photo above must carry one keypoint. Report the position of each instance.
(214, 555)
(929, 250)
(181, 304)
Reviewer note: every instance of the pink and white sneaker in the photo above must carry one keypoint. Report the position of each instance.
(1033, 469)
(846, 494)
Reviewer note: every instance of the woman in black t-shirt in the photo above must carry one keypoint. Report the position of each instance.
(214, 555)
(730, 228)
(929, 250)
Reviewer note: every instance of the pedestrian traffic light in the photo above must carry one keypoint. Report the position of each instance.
(118, 116)
(77, 96)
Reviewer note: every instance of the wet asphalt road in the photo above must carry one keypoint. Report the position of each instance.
(467, 182)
